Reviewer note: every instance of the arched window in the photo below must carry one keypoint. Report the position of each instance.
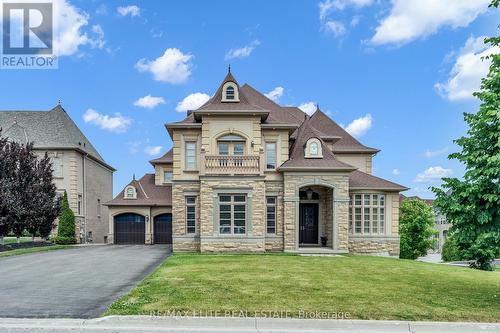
(313, 149)
(230, 93)
(130, 192)
(231, 144)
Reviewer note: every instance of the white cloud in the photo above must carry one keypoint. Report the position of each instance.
(131, 10)
(395, 172)
(242, 52)
(337, 28)
(433, 174)
(325, 7)
(172, 67)
(149, 102)
(275, 94)
(358, 127)
(432, 153)
(153, 150)
(69, 29)
(192, 102)
(465, 76)
(409, 20)
(355, 21)
(308, 107)
(116, 124)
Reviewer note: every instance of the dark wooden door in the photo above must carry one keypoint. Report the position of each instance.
(130, 229)
(308, 223)
(163, 229)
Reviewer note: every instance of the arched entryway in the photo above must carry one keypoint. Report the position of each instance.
(130, 228)
(162, 229)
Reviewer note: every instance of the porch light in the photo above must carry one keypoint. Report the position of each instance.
(309, 193)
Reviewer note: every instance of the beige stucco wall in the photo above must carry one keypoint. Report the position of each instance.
(160, 168)
(361, 161)
(180, 136)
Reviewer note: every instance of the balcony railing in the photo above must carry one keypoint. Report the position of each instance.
(232, 164)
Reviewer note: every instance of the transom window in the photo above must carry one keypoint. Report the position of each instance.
(271, 215)
(232, 214)
(367, 214)
(270, 155)
(190, 155)
(191, 214)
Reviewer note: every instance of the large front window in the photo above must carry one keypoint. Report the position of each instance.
(367, 214)
(232, 214)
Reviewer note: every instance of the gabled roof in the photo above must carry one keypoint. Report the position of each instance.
(52, 129)
(329, 129)
(166, 158)
(297, 157)
(148, 194)
(215, 103)
(359, 180)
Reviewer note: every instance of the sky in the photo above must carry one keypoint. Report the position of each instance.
(398, 74)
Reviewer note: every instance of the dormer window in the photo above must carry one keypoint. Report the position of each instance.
(230, 92)
(313, 149)
(130, 192)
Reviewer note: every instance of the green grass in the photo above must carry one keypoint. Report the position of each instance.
(13, 240)
(365, 287)
(33, 250)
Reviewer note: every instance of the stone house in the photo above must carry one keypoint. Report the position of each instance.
(246, 174)
(78, 168)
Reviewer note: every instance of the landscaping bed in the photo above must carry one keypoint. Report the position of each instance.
(24, 245)
(357, 287)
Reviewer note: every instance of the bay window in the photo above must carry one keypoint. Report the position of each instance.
(367, 214)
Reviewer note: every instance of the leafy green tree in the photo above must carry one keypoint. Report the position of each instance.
(416, 229)
(66, 225)
(450, 250)
(472, 204)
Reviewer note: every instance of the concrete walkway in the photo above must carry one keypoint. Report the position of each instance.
(79, 282)
(230, 325)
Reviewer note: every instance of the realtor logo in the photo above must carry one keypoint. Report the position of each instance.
(27, 35)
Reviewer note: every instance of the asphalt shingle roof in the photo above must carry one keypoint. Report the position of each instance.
(364, 181)
(148, 194)
(168, 157)
(46, 129)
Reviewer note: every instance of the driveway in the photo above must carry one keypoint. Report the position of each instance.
(73, 283)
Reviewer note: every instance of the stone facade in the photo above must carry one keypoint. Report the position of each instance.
(374, 245)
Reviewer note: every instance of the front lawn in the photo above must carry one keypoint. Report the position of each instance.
(364, 287)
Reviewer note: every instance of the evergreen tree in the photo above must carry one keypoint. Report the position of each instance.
(66, 225)
(472, 204)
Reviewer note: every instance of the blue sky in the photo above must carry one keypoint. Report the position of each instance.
(398, 74)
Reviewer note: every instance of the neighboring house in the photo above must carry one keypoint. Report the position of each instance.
(78, 168)
(246, 174)
(441, 223)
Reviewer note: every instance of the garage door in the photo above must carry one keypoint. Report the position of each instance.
(163, 229)
(130, 229)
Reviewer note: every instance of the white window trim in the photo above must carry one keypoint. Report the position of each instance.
(236, 92)
(165, 181)
(194, 168)
(125, 193)
(308, 147)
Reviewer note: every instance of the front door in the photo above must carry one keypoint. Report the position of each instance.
(308, 224)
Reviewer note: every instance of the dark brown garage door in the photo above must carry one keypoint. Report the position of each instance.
(130, 229)
(163, 229)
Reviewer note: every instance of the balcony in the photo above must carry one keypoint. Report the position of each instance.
(232, 164)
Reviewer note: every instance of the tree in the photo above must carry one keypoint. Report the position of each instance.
(472, 204)
(416, 229)
(4, 226)
(66, 226)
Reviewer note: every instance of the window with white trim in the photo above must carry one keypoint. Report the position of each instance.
(367, 214)
(190, 155)
(232, 214)
(270, 155)
(56, 167)
(191, 214)
(130, 192)
(271, 215)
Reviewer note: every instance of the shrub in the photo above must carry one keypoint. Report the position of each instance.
(66, 226)
(450, 250)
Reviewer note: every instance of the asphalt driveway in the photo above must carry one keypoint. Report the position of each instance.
(73, 283)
